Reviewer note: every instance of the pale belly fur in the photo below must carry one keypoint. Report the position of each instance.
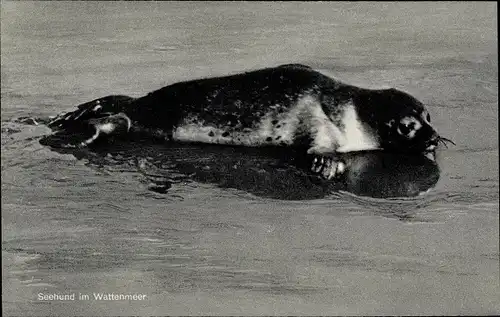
(306, 115)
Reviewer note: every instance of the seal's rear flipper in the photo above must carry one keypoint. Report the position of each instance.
(111, 125)
(95, 109)
(94, 130)
(90, 122)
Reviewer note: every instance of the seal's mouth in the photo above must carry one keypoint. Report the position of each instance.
(433, 144)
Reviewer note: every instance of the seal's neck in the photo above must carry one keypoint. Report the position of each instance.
(372, 108)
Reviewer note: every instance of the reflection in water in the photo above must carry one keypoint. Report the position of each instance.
(380, 174)
(266, 172)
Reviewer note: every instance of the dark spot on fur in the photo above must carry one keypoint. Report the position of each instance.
(278, 126)
(269, 139)
(225, 134)
(274, 121)
(278, 137)
(211, 133)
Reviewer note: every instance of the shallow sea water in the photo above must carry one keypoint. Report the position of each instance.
(222, 231)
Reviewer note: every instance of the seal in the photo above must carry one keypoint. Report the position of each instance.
(289, 105)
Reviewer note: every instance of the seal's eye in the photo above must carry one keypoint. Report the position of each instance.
(408, 127)
(405, 128)
(429, 118)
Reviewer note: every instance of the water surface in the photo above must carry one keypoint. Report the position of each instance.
(209, 244)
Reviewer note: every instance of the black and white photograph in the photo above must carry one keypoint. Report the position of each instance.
(249, 158)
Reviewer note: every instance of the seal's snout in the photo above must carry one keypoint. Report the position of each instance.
(432, 143)
(435, 140)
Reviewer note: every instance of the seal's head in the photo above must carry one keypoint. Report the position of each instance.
(401, 121)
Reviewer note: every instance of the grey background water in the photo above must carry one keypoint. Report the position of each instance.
(70, 227)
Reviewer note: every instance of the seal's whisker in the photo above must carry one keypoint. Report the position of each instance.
(448, 140)
(444, 141)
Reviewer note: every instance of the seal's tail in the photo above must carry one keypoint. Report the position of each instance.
(98, 117)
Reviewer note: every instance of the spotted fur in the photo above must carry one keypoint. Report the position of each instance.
(290, 105)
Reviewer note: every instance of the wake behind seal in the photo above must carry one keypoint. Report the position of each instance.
(290, 105)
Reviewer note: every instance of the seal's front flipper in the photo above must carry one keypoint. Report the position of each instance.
(325, 162)
(328, 167)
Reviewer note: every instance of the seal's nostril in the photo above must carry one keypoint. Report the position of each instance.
(434, 139)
